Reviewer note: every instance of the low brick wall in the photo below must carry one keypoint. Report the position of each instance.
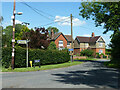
(79, 57)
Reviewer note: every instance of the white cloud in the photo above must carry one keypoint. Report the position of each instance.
(87, 35)
(16, 22)
(65, 21)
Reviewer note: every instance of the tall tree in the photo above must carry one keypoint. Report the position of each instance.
(55, 30)
(7, 33)
(107, 13)
(38, 38)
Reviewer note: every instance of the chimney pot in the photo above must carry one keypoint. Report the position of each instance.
(93, 34)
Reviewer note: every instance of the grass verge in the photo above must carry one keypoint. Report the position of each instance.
(43, 67)
(87, 59)
(112, 65)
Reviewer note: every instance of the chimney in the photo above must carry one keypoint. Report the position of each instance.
(93, 34)
(52, 34)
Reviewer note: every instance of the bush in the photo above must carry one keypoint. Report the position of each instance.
(52, 46)
(45, 56)
(115, 53)
(99, 55)
(87, 52)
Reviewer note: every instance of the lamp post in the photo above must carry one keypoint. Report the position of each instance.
(13, 40)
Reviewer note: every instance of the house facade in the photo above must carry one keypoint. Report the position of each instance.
(96, 43)
(62, 41)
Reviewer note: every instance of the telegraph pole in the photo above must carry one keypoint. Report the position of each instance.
(71, 39)
(13, 40)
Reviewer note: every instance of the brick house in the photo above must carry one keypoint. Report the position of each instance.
(96, 43)
(62, 41)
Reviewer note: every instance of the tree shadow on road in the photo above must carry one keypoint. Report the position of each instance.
(94, 78)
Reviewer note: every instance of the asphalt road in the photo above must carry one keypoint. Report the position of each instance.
(86, 75)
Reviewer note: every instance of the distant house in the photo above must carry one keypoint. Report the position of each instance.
(62, 41)
(96, 43)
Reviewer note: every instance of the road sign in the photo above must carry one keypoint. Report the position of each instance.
(70, 49)
(37, 61)
(22, 41)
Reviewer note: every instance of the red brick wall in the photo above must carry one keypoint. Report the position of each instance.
(61, 37)
(97, 50)
(76, 51)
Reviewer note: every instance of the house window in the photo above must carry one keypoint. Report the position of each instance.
(61, 43)
(68, 43)
(86, 44)
(100, 51)
(100, 44)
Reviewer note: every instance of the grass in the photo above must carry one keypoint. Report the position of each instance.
(87, 59)
(43, 67)
(112, 65)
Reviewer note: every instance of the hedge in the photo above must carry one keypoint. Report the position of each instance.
(45, 56)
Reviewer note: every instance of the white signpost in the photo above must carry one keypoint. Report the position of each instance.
(24, 42)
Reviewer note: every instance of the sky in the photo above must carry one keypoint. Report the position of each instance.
(50, 12)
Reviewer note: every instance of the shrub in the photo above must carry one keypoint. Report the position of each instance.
(87, 52)
(52, 46)
(45, 56)
(97, 55)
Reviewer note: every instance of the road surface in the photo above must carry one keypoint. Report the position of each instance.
(86, 75)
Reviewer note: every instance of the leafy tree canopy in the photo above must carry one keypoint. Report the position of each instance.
(7, 33)
(107, 13)
(55, 30)
(52, 46)
(38, 38)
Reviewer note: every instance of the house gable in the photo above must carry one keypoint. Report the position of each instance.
(61, 38)
(62, 35)
(100, 39)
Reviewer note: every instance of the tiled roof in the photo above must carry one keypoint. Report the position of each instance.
(94, 39)
(87, 39)
(68, 37)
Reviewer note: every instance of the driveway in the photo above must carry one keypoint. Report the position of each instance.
(86, 75)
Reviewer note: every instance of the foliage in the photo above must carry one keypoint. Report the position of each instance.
(55, 30)
(7, 34)
(115, 53)
(98, 55)
(52, 46)
(87, 52)
(108, 51)
(45, 56)
(38, 38)
(43, 67)
(106, 13)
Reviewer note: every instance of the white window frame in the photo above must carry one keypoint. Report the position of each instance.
(67, 43)
(59, 43)
(100, 51)
(100, 44)
(86, 44)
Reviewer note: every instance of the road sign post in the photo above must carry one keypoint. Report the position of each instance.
(25, 42)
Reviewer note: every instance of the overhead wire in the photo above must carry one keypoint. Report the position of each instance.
(37, 11)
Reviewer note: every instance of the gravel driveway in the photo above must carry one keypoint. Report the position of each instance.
(86, 75)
